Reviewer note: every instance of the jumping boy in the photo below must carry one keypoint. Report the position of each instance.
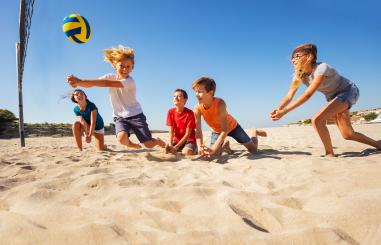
(127, 112)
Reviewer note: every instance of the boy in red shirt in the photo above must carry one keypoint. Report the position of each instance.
(182, 126)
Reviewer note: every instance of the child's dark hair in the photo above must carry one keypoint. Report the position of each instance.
(77, 90)
(185, 95)
(208, 83)
(308, 48)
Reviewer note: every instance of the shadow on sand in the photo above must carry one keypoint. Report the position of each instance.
(263, 153)
(364, 153)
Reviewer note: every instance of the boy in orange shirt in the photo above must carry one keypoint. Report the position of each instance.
(214, 112)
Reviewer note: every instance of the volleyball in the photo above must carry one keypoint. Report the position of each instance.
(76, 28)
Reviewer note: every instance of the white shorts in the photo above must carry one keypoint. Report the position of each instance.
(100, 131)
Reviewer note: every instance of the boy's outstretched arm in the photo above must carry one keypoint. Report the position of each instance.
(199, 140)
(75, 82)
(224, 128)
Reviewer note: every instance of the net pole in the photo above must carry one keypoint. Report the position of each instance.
(19, 57)
(19, 82)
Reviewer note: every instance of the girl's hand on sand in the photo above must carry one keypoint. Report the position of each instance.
(88, 138)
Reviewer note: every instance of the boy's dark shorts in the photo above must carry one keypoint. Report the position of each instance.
(188, 145)
(137, 124)
(237, 133)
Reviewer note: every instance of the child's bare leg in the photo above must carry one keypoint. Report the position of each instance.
(77, 133)
(99, 141)
(85, 128)
(343, 121)
(124, 140)
(154, 142)
(253, 145)
(319, 122)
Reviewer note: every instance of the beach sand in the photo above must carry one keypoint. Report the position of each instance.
(288, 193)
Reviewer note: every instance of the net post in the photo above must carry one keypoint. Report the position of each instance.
(19, 82)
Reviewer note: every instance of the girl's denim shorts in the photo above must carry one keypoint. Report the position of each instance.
(349, 95)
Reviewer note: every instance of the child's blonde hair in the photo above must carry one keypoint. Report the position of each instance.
(300, 69)
(116, 54)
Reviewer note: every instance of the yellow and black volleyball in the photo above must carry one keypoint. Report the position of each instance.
(76, 28)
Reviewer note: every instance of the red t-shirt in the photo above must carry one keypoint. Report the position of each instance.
(180, 121)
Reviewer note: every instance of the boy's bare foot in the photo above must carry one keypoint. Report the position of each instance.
(226, 147)
(261, 133)
(134, 145)
(167, 149)
(161, 143)
(258, 132)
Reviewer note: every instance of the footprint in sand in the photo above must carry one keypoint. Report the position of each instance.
(28, 167)
(42, 195)
(256, 217)
(171, 206)
(204, 192)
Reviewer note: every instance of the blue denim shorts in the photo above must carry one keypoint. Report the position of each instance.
(137, 124)
(237, 133)
(349, 95)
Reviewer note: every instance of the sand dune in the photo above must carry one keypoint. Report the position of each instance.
(286, 194)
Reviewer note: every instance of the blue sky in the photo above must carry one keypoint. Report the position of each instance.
(244, 45)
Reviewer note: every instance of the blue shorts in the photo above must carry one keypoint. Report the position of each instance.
(350, 95)
(137, 124)
(237, 133)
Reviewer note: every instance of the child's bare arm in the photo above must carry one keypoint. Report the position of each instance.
(302, 98)
(75, 81)
(183, 139)
(224, 127)
(199, 140)
(93, 119)
(170, 135)
(287, 99)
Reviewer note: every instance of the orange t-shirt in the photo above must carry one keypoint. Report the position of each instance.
(211, 117)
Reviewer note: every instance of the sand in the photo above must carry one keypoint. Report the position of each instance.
(288, 193)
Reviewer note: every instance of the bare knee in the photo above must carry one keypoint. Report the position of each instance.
(252, 147)
(122, 137)
(76, 125)
(318, 121)
(348, 135)
(188, 152)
